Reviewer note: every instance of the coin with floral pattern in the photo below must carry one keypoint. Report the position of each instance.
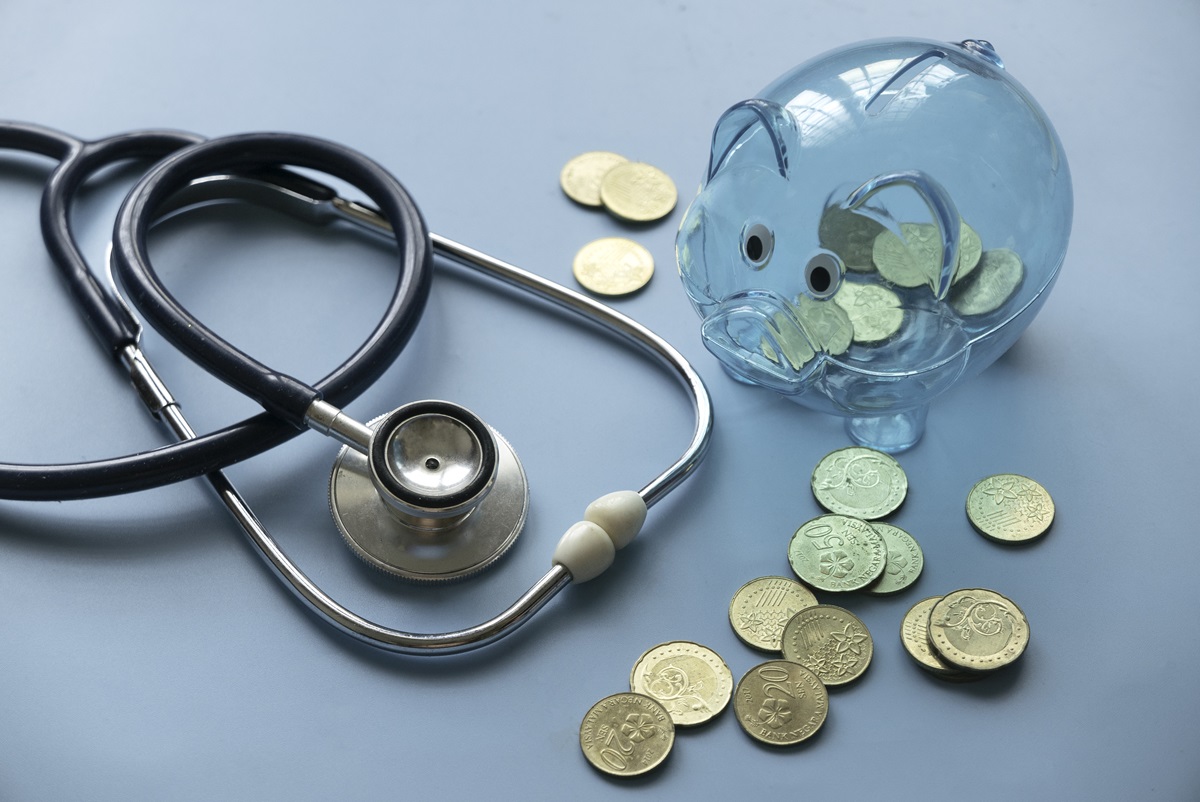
(831, 642)
(1010, 508)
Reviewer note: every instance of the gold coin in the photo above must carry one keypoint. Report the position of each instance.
(826, 324)
(638, 192)
(1010, 508)
(978, 630)
(581, 176)
(762, 607)
(613, 266)
(780, 703)
(691, 681)
(851, 236)
(874, 311)
(1000, 274)
(915, 259)
(860, 482)
(914, 636)
(792, 344)
(626, 734)
(837, 553)
(831, 642)
(904, 560)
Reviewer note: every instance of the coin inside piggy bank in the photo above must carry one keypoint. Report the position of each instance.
(875, 226)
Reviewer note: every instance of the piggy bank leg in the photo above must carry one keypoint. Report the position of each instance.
(893, 432)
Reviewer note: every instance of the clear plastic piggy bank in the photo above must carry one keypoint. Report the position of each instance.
(877, 225)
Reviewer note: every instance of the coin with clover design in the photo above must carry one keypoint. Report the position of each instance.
(780, 703)
(837, 553)
(626, 734)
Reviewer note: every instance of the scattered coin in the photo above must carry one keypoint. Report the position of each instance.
(874, 311)
(762, 607)
(860, 482)
(1001, 272)
(904, 561)
(829, 641)
(914, 635)
(638, 192)
(581, 176)
(691, 681)
(626, 734)
(1010, 508)
(837, 553)
(613, 266)
(916, 259)
(851, 236)
(780, 703)
(978, 630)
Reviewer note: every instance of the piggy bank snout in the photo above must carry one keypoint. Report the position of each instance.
(757, 337)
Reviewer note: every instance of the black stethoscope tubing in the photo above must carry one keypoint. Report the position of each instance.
(115, 328)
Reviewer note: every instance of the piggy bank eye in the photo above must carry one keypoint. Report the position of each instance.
(823, 275)
(757, 244)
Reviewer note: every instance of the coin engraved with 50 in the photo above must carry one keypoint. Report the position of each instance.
(837, 553)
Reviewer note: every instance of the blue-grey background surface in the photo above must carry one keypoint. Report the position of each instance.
(145, 653)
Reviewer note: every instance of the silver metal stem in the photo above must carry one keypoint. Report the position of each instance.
(327, 419)
(143, 374)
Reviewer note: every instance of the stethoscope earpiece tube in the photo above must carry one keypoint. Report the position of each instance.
(280, 394)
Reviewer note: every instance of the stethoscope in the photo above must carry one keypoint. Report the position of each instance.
(427, 491)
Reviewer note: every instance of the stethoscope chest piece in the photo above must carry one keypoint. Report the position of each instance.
(440, 495)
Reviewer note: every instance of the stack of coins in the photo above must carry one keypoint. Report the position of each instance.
(634, 192)
(965, 634)
(674, 684)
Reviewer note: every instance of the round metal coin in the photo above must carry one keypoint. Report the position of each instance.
(874, 311)
(851, 236)
(837, 553)
(581, 176)
(1001, 272)
(860, 482)
(613, 266)
(1010, 508)
(762, 607)
(638, 192)
(916, 259)
(914, 636)
(780, 703)
(904, 561)
(831, 642)
(626, 734)
(691, 681)
(978, 629)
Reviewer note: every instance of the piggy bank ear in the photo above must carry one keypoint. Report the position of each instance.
(754, 131)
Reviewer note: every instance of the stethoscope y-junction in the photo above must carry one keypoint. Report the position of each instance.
(428, 491)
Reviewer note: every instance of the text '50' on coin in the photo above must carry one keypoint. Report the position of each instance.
(613, 266)
(638, 192)
(829, 641)
(626, 734)
(691, 681)
(780, 703)
(837, 553)
(1010, 508)
(978, 629)
(762, 607)
(581, 176)
(860, 482)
